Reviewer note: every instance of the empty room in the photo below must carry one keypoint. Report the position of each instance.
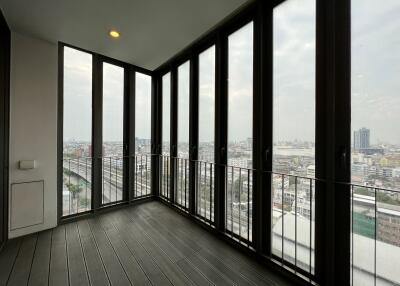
(212, 142)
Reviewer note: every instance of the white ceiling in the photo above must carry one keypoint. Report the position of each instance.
(152, 31)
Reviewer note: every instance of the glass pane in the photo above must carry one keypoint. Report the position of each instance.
(205, 169)
(375, 158)
(240, 97)
(182, 163)
(113, 135)
(143, 114)
(142, 174)
(206, 104)
(294, 132)
(77, 137)
(166, 113)
(165, 165)
(183, 110)
(240, 131)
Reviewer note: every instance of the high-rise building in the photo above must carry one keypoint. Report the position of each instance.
(361, 138)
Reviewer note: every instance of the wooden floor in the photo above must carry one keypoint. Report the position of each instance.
(146, 244)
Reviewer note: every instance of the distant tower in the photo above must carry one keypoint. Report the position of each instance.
(361, 138)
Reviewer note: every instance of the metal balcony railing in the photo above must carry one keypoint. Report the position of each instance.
(77, 185)
(182, 182)
(77, 181)
(375, 219)
(239, 203)
(375, 235)
(165, 176)
(112, 179)
(204, 188)
(293, 220)
(142, 175)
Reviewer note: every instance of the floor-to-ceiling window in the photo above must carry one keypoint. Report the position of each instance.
(293, 197)
(375, 158)
(205, 168)
(77, 132)
(165, 165)
(113, 133)
(240, 132)
(182, 161)
(142, 173)
(97, 171)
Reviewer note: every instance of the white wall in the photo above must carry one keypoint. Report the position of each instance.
(33, 123)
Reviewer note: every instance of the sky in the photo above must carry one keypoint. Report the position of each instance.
(183, 102)
(166, 107)
(78, 99)
(240, 84)
(376, 69)
(207, 95)
(294, 71)
(143, 106)
(113, 103)
(375, 80)
(77, 95)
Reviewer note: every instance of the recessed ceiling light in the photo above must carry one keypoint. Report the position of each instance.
(114, 34)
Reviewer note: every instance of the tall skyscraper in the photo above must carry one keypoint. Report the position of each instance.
(361, 138)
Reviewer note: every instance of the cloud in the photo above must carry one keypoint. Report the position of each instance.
(375, 56)
(375, 80)
(207, 95)
(113, 103)
(166, 107)
(143, 106)
(294, 71)
(77, 95)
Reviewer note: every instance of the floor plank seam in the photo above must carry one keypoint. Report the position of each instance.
(236, 259)
(157, 244)
(154, 261)
(172, 234)
(83, 254)
(138, 260)
(150, 244)
(33, 256)
(115, 252)
(195, 268)
(98, 251)
(51, 246)
(151, 239)
(15, 259)
(66, 252)
(242, 275)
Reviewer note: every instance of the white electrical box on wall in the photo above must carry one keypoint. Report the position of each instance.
(27, 164)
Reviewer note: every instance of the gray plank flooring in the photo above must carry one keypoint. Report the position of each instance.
(146, 244)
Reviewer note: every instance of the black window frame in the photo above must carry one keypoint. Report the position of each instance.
(332, 101)
(332, 230)
(97, 117)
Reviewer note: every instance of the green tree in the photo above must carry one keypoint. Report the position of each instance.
(73, 189)
(84, 202)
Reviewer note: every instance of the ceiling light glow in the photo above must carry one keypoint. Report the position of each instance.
(114, 34)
